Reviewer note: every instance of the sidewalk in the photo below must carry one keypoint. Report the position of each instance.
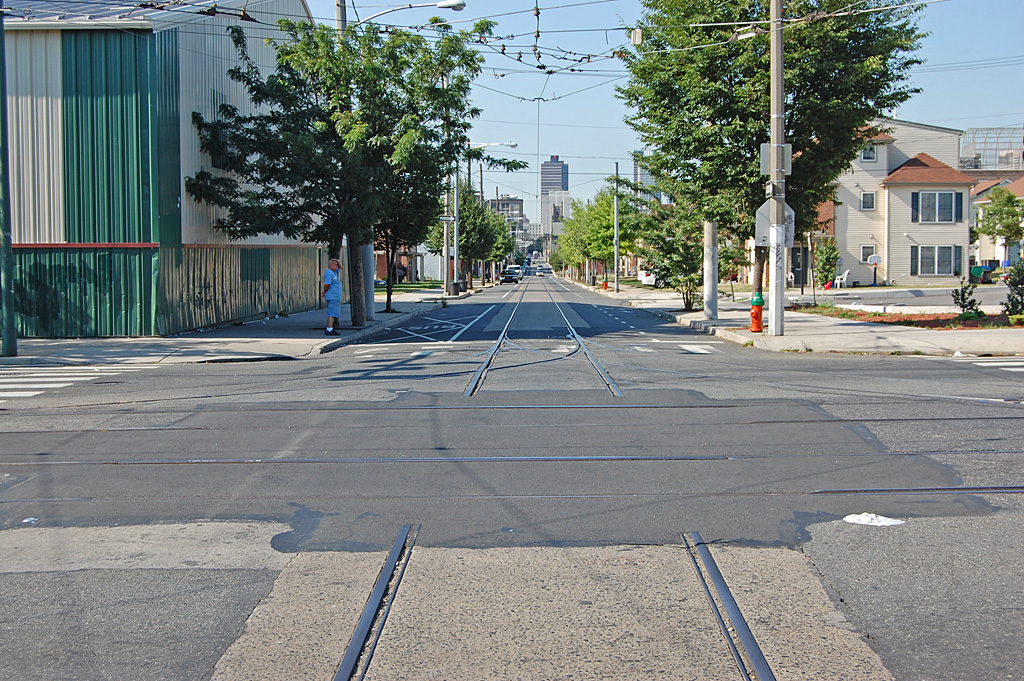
(817, 333)
(297, 336)
(301, 335)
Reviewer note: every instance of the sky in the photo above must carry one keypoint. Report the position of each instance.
(972, 76)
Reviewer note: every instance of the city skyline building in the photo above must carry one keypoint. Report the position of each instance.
(554, 176)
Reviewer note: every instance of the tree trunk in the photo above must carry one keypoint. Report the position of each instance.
(760, 255)
(357, 295)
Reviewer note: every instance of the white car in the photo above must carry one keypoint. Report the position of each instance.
(649, 278)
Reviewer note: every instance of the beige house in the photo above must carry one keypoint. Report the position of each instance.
(904, 201)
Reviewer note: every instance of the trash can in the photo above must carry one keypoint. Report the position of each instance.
(593, 280)
(462, 287)
(453, 288)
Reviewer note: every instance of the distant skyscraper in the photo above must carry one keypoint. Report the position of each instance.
(554, 176)
(642, 176)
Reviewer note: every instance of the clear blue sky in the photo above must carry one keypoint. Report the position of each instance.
(973, 76)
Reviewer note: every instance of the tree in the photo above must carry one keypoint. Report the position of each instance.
(673, 249)
(347, 127)
(590, 232)
(480, 231)
(702, 99)
(826, 257)
(1003, 217)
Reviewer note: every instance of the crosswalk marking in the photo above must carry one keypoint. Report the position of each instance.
(1001, 363)
(698, 348)
(20, 383)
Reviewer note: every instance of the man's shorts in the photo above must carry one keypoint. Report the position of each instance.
(334, 308)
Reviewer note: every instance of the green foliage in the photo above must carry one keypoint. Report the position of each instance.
(352, 132)
(1003, 217)
(702, 98)
(590, 232)
(1014, 304)
(483, 233)
(826, 256)
(673, 249)
(963, 297)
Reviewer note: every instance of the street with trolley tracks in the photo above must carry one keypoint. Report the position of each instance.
(562, 460)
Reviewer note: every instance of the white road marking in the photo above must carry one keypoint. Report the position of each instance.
(641, 348)
(999, 364)
(698, 349)
(33, 386)
(29, 378)
(466, 328)
(421, 353)
(21, 394)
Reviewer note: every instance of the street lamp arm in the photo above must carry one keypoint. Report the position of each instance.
(456, 5)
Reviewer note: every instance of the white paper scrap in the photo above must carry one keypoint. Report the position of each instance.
(872, 519)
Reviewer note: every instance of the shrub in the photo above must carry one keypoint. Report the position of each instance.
(964, 299)
(1014, 304)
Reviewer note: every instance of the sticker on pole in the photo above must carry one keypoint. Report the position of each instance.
(872, 520)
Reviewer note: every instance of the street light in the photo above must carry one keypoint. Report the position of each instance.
(454, 5)
(455, 217)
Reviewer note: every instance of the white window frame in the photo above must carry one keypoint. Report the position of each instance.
(936, 208)
(869, 154)
(935, 260)
(863, 255)
(874, 200)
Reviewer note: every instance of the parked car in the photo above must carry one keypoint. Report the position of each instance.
(649, 278)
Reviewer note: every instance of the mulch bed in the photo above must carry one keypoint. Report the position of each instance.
(941, 321)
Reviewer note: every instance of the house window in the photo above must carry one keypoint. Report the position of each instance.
(866, 252)
(936, 206)
(867, 200)
(869, 153)
(935, 260)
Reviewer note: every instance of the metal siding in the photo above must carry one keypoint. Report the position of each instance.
(168, 149)
(205, 54)
(106, 80)
(34, 91)
(210, 285)
(84, 292)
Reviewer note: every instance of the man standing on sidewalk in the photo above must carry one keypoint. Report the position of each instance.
(332, 296)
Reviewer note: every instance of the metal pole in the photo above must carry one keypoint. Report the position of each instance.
(710, 270)
(455, 229)
(616, 226)
(10, 333)
(777, 215)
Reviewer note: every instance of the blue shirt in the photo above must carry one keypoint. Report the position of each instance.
(331, 279)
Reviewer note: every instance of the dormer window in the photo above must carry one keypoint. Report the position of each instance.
(869, 153)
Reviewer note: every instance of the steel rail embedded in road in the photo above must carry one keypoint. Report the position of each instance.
(478, 376)
(360, 648)
(609, 383)
(739, 625)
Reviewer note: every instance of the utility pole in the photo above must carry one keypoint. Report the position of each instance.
(616, 226)
(777, 214)
(9, 332)
(710, 270)
(455, 230)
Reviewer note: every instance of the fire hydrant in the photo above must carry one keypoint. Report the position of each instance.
(756, 308)
(605, 284)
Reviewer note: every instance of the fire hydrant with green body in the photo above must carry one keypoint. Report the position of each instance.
(756, 309)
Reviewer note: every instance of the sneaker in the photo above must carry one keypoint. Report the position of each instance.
(332, 333)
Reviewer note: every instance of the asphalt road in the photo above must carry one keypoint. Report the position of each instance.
(146, 515)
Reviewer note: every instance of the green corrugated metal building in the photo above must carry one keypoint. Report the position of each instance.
(106, 241)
